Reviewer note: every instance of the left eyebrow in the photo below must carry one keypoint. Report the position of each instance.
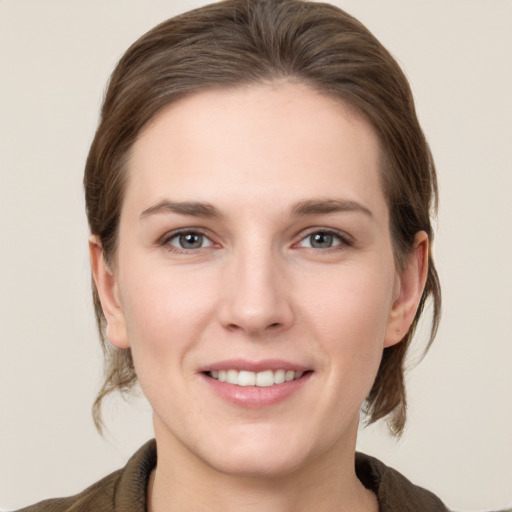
(318, 207)
(192, 208)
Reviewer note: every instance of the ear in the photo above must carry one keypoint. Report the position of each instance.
(409, 288)
(108, 292)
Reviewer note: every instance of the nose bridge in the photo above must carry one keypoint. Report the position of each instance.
(256, 298)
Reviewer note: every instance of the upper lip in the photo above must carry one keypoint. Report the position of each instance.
(254, 366)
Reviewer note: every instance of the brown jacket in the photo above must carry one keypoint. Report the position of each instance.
(125, 489)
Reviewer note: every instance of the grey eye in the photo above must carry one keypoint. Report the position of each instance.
(190, 241)
(321, 240)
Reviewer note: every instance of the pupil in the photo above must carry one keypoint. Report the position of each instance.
(321, 240)
(191, 241)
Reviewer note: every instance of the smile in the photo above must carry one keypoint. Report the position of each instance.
(261, 379)
(256, 384)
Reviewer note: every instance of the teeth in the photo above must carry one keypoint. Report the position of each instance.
(279, 376)
(261, 379)
(265, 379)
(245, 379)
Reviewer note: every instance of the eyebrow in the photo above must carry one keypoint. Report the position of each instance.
(192, 208)
(319, 207)
(303, 208)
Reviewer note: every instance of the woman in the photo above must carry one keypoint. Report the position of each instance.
(259, 194)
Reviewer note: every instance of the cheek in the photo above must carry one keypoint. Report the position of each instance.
(352, 300)
(349, 313)
(165, 314)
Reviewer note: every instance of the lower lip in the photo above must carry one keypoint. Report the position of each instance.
(254, 397)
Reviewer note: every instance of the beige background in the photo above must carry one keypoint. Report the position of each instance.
(55, 57)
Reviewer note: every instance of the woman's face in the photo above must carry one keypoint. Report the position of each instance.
(254, 246)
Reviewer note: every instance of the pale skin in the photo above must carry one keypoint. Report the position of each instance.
(254, 226)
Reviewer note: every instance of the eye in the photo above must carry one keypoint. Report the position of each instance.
(189, 240)
(322, 240)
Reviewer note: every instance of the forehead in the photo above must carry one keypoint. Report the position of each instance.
(271, 142)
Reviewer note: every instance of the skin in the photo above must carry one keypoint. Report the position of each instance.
(256, 289)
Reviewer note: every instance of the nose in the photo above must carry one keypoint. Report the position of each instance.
(256, 295)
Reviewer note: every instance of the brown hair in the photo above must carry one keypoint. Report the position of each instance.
(236, 42)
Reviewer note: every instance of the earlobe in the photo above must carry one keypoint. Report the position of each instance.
(410, 285)
(107, 288)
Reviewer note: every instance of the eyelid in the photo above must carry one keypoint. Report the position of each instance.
(346, 240)
(168, 236)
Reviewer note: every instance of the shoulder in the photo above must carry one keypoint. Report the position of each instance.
(98, 495)
(393, 490)
(122, 490)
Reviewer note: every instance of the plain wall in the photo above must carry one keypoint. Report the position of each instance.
(55, 57)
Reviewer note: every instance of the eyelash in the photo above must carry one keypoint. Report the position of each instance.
(166, 240)
(344, 240)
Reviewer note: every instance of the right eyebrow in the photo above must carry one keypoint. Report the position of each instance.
(191, 208)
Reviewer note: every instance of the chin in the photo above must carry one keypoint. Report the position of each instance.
(259, 454)
(257, 464)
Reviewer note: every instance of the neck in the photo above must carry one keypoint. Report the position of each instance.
(182, 482)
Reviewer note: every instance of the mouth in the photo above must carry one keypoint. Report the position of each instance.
(261, 379)
(256, 384)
